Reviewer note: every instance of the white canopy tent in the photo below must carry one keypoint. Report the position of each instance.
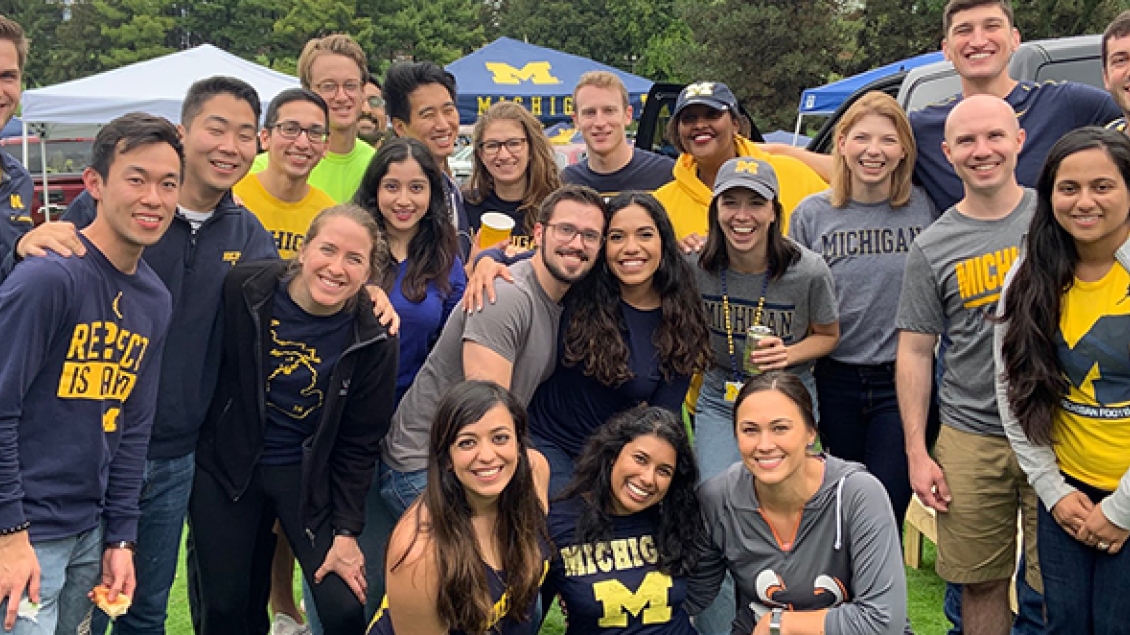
(155, 86)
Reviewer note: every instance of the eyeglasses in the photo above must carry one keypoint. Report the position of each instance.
(290, 130)
(514, 145)
(329, 88)
(375, 102)
(566, 233)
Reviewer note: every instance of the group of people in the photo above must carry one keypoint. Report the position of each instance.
(311, 356)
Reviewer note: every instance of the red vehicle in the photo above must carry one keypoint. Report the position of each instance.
(66, 159)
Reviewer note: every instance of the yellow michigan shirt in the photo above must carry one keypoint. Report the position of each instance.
(1092, 428)
(287, 222)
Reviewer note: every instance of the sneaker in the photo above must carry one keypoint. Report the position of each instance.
(285, 625)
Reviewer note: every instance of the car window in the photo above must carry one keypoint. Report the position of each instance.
(1087, 71)
(921, 91)
(63, 157)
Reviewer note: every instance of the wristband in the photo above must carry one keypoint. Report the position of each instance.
(122, 544)
(16, 529)
(775, 621)
(344, 532)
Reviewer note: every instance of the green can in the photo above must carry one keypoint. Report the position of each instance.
(753, 338)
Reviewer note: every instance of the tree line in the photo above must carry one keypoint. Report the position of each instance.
(768, 51)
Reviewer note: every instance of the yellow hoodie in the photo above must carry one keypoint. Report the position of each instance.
(687, 198)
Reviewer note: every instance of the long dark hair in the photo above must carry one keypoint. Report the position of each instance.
(781, 251)
(1036, 380)
(432, 251)
(594, 336)
(681, 534)
(464, 602)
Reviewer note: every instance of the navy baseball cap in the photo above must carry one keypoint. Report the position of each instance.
(714, 94)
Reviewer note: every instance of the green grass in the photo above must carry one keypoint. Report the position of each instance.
(925, 591)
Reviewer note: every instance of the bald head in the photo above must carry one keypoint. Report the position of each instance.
(981, 108)
(983, 140)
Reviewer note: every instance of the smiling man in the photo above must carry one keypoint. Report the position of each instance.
(1116, 66)
(980, 38)
(15, 183)
(294, 134)
(612, 165)
(209, 234)
(79, 387)
(420, 100)
(954, 273)
(509, 342)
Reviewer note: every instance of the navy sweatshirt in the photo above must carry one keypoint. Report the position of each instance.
(77, 393)
(16, 190)
(193, 266)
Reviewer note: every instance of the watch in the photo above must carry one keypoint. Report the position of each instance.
(775, 621)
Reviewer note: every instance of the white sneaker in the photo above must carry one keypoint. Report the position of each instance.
(285, 625)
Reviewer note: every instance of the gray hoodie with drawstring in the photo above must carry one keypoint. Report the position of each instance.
(845, 557)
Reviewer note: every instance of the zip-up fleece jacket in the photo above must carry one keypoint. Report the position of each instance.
(338, 460)
(845, 557)
(192, 265)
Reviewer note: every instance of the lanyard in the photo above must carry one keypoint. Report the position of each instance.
(734, 367)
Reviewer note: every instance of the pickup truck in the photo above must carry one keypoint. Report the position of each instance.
(1070, 58)
(65, 161)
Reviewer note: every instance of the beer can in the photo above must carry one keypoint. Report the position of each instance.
(752, 339)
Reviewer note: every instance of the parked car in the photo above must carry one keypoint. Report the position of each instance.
(1075, 58)
(65, 161)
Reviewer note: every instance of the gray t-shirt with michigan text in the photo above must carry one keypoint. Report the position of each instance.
(803, 296)
(521, 326)
(954, 274)
(865, 246)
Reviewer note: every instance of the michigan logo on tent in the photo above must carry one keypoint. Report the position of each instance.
(539, 73)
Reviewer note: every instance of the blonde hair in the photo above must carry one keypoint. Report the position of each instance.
(541, 173)
(883, 105)
(603, 79)
(336, 44)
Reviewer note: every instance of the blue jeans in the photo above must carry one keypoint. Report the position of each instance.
(400, 489)
(560, 464)
(165, 489)
(1083, 586)
(68, 569)
(859, 421)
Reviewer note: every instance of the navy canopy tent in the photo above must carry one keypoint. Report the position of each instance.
(539, 78)
(825, 99)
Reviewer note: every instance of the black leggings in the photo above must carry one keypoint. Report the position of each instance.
(228, 534)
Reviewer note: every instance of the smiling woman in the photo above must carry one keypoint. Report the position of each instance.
(1064, 400)
(286, 436)
(469, 555)
(810, 540)
(633, 493)
(863, 227)
(514, 170)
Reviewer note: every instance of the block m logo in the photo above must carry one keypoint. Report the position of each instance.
(536, 72)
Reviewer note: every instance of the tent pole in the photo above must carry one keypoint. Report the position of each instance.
(796, 131)
(46, 198)
(23, 124)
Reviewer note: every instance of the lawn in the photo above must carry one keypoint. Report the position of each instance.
(925, 592)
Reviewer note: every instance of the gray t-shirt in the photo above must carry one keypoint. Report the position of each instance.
(803, 296)
(865, 246)
(954, 274)
(521, 326)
